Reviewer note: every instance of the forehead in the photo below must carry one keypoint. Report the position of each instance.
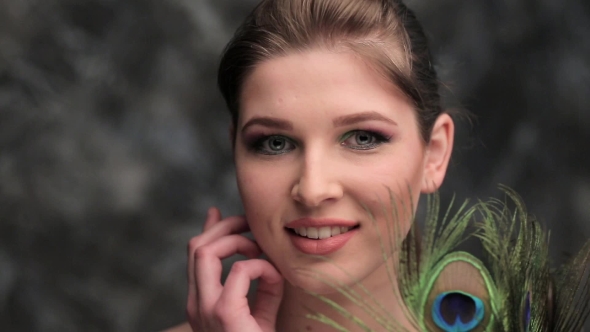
(323, 81)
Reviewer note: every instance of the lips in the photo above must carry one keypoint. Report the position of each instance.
(323, 222)
(319, 236)
(320, 233)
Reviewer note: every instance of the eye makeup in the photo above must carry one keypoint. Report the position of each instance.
(269, 143)
(375, 138)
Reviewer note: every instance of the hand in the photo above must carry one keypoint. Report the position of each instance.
(212, 306)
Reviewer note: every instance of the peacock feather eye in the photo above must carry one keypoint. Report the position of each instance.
(457, 311)
(458, 296)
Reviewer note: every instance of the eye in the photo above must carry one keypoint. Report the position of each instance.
(273, 145)
(363, 139)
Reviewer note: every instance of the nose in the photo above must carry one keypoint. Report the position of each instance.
(317, 183)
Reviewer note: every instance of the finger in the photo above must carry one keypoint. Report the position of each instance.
(233, 302)
(213, 216)
(269, 295)
(208, 267)
(227, 226)
(231, 225)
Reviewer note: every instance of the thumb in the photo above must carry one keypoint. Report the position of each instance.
(269, 295)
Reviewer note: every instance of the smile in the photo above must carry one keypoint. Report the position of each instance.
(320, 236)
(320, 232)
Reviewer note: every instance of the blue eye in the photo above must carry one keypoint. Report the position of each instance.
(273, 145)
(363, 139)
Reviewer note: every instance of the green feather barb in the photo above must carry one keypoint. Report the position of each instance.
(512, 288)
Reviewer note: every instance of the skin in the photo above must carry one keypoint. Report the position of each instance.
(340, 136)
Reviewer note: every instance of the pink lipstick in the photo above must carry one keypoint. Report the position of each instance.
(320, 236)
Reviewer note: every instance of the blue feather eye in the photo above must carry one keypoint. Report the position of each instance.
(457, 311)
(457, 298)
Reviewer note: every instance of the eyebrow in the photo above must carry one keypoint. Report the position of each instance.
(267, 121)
(345, 120)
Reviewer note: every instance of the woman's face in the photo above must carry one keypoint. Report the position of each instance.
(320, 134)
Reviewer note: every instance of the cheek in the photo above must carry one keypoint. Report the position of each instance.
(396, 173)
(391, 190)
(252, 188)
(262, 192)
(259, 182)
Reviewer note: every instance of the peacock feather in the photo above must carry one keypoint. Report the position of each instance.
(517, 250)
(445, 289)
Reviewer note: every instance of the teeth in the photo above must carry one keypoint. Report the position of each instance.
(325, 232)
(320, 233)
(335, 230)
(302, 231)
(312, 233)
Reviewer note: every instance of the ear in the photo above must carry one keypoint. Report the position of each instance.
(438, 153)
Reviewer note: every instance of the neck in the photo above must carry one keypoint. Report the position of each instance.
(375, 303)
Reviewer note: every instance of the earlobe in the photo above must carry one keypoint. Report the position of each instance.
(438, 153)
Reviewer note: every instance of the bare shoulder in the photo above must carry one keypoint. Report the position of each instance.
(179, 328)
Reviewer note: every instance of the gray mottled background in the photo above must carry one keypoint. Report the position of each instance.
(113, 141)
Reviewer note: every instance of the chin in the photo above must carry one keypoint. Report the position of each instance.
(323, 278)
(317, 284)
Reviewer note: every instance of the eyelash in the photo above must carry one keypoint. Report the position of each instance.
(379, 138)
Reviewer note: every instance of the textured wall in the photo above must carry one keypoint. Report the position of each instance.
(113, 141)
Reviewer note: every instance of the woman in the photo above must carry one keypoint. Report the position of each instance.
(333, 103)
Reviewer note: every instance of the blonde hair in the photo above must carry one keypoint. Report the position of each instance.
(384, 32)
